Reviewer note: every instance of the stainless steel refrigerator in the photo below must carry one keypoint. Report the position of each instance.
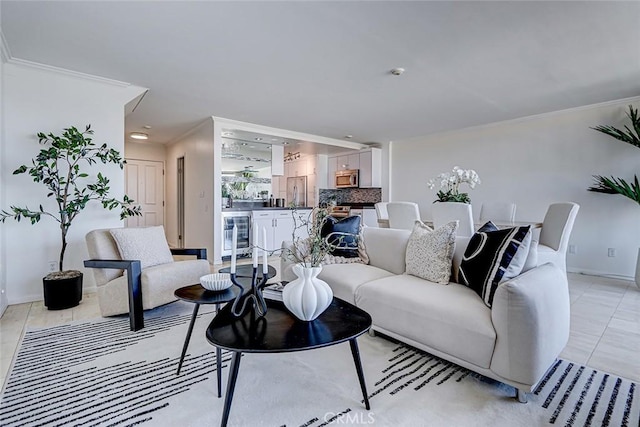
(297, 191)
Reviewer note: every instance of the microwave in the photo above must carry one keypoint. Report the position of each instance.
(348, 179)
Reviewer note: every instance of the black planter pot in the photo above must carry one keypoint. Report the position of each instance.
(62, 292)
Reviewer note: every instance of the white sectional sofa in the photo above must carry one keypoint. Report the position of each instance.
(515, 341)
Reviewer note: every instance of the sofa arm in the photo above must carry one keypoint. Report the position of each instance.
(200, 253)
(530, 314)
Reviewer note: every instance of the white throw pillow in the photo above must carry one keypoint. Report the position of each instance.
(146, 244)
(429, 252)
(519, 260)
(532, 257)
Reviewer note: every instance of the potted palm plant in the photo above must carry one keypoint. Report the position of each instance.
(613, 185)
(58, 167)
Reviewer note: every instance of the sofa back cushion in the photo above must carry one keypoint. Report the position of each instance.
(386, 248)
(146, 244)
(458, 253)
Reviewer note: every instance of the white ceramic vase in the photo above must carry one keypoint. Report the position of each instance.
(307, 296)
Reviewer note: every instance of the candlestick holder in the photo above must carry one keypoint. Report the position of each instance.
(252, 296)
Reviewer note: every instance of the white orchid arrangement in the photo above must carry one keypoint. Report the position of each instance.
(450, 184)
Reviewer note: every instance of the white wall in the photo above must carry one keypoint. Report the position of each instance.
(197, 149)
(145, 151)
(534, 162)
(3, 282)
(42, 99)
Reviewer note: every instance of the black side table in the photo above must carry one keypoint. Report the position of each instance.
(199, 295)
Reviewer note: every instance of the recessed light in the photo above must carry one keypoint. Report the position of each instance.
(244, 144)
(285, 143)
(138, 135)
(227, 133)
(258, 139)
(146, 127)
(397, 71)
(348, 136)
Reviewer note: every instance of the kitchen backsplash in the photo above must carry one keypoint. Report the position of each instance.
(351, 195)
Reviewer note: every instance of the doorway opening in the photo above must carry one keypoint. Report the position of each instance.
(181, 202)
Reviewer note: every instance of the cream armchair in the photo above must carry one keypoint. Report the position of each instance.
(151, 276)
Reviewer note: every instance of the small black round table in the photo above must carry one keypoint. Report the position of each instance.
(280, 331)
(199, 295)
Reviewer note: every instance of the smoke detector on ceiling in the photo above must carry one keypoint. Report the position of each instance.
(397, 71)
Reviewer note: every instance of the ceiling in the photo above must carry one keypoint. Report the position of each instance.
(323, 68)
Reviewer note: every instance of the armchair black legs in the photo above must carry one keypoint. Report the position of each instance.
(136, 319)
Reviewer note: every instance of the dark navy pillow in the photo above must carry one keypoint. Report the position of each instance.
(488, 256)
(343, 233)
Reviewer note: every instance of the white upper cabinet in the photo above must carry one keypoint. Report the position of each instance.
(368, 161)
(277, 160)
(351, 161)
(371, 168)
(332, 167)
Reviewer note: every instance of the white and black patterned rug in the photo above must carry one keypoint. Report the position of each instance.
(98, 373)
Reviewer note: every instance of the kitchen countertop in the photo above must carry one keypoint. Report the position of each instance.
(263, 208)
(358, 205)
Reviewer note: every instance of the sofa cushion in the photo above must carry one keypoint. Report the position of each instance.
(146, 244)
(386, 247)
(458, 254)
(344, 279)
(158, 284)
(488, 258)
(429, 252)
(452, 319)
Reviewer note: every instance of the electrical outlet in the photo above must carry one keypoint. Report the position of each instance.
(611, 252)
(53, 266)
(573, 249)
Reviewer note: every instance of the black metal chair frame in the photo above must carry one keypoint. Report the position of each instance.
(134, 274)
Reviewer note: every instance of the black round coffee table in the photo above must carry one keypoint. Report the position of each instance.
(279, 331)
(246, 270)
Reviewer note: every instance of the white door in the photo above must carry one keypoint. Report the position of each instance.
(145, 185)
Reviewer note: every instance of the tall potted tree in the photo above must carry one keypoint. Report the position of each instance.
(613, 185)
(58, 167)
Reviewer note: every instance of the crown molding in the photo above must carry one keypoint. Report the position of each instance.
(525, 119)
(5, 53)
(63, 71)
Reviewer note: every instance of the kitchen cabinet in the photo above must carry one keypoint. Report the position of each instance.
(350, 161)
(332, 167)
(368, 161)
(279, 225)
(296, 168)
(371, 168)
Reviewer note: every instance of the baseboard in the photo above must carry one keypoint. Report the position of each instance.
(22, 299)
(39, 297)
(599, 273)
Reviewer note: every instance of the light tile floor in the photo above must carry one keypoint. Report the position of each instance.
(605, 324)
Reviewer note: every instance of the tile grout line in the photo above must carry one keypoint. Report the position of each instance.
(607, 327)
